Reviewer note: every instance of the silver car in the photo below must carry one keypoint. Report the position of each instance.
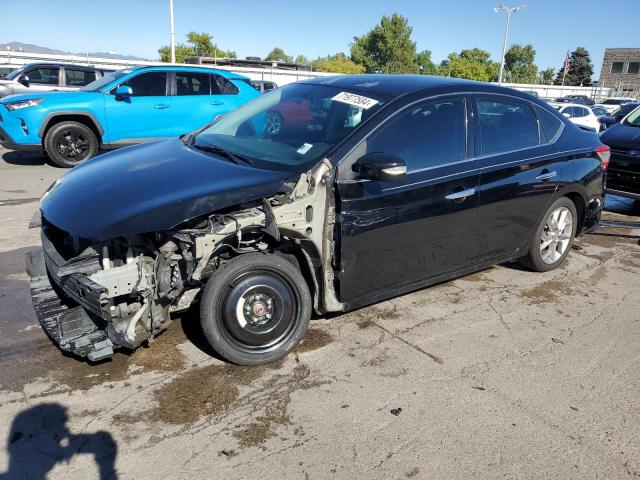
(42, 77)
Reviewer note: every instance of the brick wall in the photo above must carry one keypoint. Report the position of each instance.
(624, 55)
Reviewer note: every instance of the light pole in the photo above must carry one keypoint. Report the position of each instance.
(173, 33)
(510, 11)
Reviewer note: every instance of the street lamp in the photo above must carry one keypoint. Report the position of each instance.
(173, 33)
(510, 11)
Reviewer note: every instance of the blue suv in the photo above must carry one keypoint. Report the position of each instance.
(122, 108)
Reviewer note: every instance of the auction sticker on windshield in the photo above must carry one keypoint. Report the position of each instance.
(355, 100)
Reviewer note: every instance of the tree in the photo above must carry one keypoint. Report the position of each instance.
(278, 55)
(182, 51)
(302, 60)
(518, 64)
(425, 64)
(547, 76)
(338, 63)
(473, 64)
(199, 44)
(387, 47)
(580, 69)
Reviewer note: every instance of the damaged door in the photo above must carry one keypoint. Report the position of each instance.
(395, 234)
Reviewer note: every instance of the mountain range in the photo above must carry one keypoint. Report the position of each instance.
(30, 48)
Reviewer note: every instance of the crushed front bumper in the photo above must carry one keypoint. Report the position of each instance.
(71, 328)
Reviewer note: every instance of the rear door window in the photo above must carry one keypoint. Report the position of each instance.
(580, 112)
(78, 78)
(44, 75)
(506, 125)
(222, 86)
(192, 83)
(424, 136)
(149, 84)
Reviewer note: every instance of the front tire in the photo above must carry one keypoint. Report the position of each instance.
(553, 238)
(70, 143)
(255, 309)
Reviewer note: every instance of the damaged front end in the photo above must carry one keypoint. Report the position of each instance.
(94, 298)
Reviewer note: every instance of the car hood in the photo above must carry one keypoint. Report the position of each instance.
(151, 187)
(66, 96)
(621, 136)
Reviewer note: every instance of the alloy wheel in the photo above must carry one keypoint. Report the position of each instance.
(274, 123)
(556, 235)
(72, 145)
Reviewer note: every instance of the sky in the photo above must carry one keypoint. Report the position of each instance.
(314, 28)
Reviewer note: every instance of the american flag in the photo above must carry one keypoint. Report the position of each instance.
(567, 63)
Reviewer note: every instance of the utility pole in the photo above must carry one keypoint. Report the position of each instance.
(510, 11)
(173, 33)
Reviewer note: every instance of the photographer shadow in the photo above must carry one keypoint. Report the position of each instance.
(39, 439)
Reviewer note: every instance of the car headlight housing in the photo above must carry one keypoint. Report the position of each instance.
(18, 104)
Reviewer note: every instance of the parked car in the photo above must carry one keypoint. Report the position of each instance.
(617, 115)
(263, 85)
(434, 179)
(623, 176)
(610, 104)
(44, 77)
(581, 100)
(122, 108)
(531, 92)
(581, 115)
(575, 99)
(6, 70)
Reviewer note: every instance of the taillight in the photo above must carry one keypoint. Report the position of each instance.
(604, 153)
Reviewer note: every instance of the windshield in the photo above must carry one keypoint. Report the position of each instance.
(15, 73)
(106, 80)
(292, 126)
(633, 120)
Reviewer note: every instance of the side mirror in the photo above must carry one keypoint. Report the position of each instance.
(124, 91)
(24, 80)
(380, 166)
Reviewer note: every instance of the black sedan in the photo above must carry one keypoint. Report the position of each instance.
(623, 177)
(386, 185)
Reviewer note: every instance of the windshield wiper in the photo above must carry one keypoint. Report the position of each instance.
(234, 157)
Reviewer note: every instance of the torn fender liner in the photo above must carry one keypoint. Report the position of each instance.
(72, 329)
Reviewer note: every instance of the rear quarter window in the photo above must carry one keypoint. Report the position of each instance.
(222, 86)
(549, 123)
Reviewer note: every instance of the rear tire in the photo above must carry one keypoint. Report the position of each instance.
(553, 238)
(255, 309)
(70, 143)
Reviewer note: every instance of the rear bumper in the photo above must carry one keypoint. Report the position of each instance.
(72, 328)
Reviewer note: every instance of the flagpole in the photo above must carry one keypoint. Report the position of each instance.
(566, 68)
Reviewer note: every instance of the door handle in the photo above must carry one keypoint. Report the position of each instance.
(217, 103)
(160, 106)
(547, 176)
(461, 195)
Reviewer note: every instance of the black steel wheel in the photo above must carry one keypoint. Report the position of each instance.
(255, 309)
(70, 143)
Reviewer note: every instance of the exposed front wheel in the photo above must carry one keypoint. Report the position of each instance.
(255, 309)
(553, 238)
(70, 143)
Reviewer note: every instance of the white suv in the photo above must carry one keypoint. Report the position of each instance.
(581, 115)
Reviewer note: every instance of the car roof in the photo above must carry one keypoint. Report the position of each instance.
(397, 85)
(58, 64)
(188, 68)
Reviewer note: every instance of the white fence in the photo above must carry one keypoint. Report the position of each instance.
(274, 74)
(277, 75)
